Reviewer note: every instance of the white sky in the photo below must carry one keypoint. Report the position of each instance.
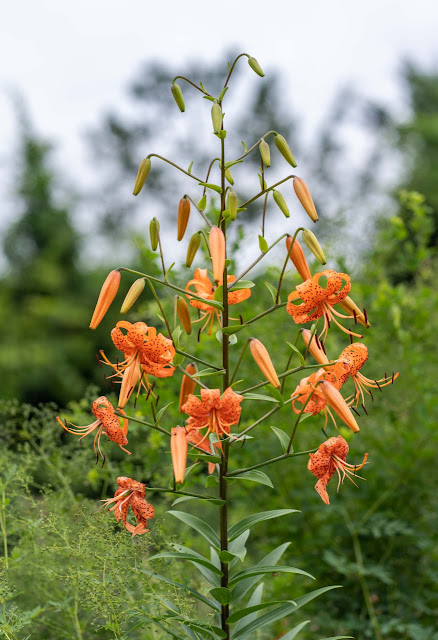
(72, 59)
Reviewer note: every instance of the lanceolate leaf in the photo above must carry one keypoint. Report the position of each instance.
(249, 521)
(255, 476)
(243, 284)
(264, 569)
(183, 587)
(187, 556)
(283, 437)
(254, 600)
(199, 525)
(290, 635)
(234, 617)
(237, 546)
(221, 594)
(242, 588)
(259, 396)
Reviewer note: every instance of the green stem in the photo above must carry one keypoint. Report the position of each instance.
(265, 313)
(157, 299)
(155, 155)
(201, 213)
(147, 424)
(242, 353)
(180, 492)
(192, 83)
(254, 146)
(192, 357)
(284, 456)
(232, 69)
(253, 264)
(194, 378)
(284, 375)
(277, 297)
(263, 191)
(257, 422)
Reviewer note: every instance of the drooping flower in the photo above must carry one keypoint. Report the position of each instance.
(212, 412)
(146, 353)
(131, 493)
(204, 288)
(106, 421)
(331, 457)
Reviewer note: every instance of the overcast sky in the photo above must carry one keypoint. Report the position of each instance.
(72, 59)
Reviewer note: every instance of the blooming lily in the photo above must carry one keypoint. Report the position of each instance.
(106, 421)
(331, 457)
(204, 288)
(145, 351)
(131, 493)
(215, 413)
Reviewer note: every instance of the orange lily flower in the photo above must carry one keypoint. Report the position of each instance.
(106, 421)
(131, 493)
(196, 438)
(204, 288)
(212, 412)
(331, 457)
(145, 351)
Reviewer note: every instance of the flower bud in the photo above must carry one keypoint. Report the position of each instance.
(265, 153)
(353, 310)
(188, 386)
(202, 203)
(263, 185)
(297, 256)
(314, 347)
(228, 176)
(193, 247)
(264, 362)
(337, 403)
(216, 242)
(303, 195)
(284, 149)
(216, 117)
(313, 244)
(232, 204)
(106, 296)
(183, 314)
(255, 66)
(132, 295)
(183, 217)
(178, 96)
(142, 174)
(281, 202)
(154, 229)
(178, 450)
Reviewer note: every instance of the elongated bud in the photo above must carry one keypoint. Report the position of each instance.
(216, 117)
(281, 202)
(284, 149)
(228, 176)
(106, 296)
(313, 244)
(178, 450)
(314, 347)
(183, 312)
(265, 153)
(132, 295)
(297, 256)
(193, 247)
(264, 362)
(142, 174)
(154, 229)
(183, 217)
(178, 96)
(216, 242)
(202, 203)
(255, 66)
(303, 195)
(353, 310)
(232, 204)
(188, 386)
(338, 404)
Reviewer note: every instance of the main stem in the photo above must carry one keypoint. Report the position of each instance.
(223, 522)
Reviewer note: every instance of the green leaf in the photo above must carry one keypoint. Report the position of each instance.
(208, 185)
(255, 476)
(221, 594)
(189, 170)
(211, 303)
(280, 612)
(168, 270)
(275, 393)
(264, 569)
(194, 593)
(211, 481)
(232, 339)
(298, 352)
(227, 262)
(244, 146)
(181, 499)
(242, 588)
(209, 98)
(242, 284)
(283, 437)
(226, 556)
(272, 290)
(263, 244)
(198, 525)
(219, 293)
(290, 635)
(205, 456)
(188, 556)
(237, 615)
(259, 396)
(206, 629)
(339, 638)
(255, 518)
(222, 134)
(161, 412)
(255, 599)
(233, 329)
(237, 546)
(221, 95)
(204, 373)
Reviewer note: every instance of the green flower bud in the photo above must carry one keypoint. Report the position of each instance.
(265, 153)
(193, 247)
(178, 96)
(284, 149)
(281, 202)
(313, 244)
(216, 118)
(255, 66)
(232, 204)
(132, 295)
(142, 174)
(154, 228)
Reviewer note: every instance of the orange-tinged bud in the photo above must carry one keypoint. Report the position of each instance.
(337, 403)
(142, 174)
(297, 256)
(178, 450)
(265, 153)
(303, 195)
(352, 309)
(314, 347)
(281, 202)
(178, 96)
(188, 385)
(255, 66)
(154, 230)
(284, 149)
(132, 295)
(264, 362)
(216, 242)
(232, 204)
(106, 296)
(183, 312)
(183, 217)
(193, 247)
(216, 117)
(312, 242)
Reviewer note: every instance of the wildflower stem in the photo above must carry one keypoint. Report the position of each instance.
(185, 373)
(157, 299)
(161, 254)
(242, 353)
(257, 422)
(201, 213)
(289, 361)
(265, 463)
(263, 191)
(253, 264)
(264, 215)
(147, 424)
(277, 297)
(192, 357)
(297, 421)
(180, 492)
(265, 313)
(283, 375)
(192, 83)
(155, 155)
(254, 146)
(232, 67)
